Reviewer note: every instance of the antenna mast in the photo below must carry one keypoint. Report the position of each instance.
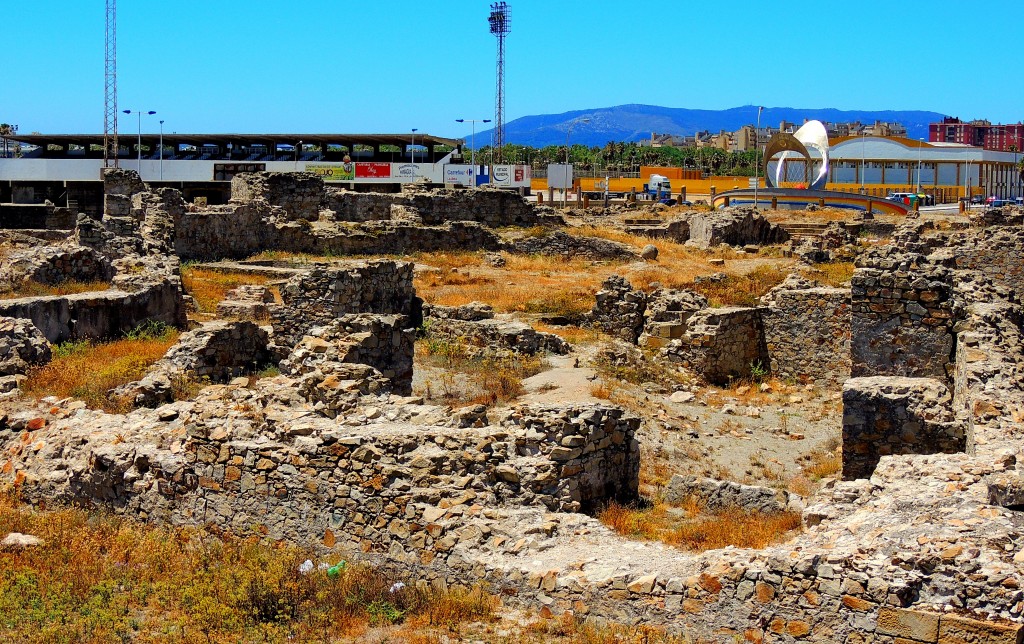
(500, 27)
(110, 146)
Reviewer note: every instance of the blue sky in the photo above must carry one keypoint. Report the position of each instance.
(370, 66)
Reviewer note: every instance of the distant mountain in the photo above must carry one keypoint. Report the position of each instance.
(636, 122)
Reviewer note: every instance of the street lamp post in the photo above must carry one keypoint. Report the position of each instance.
(863, 159)
(161, 149)
(919, 149)
(472, 144)
(139, 113)
(412, 146)
(568, 131)
(967, 186)
(757, 156)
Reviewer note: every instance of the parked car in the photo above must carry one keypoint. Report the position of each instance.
(977, 199)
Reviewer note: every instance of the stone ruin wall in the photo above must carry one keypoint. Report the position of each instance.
(950, 319)
(903, 318)
(298, 194)
(885, 415)
(807, 334)
(721, 344)
(102, 314)
(323, 294)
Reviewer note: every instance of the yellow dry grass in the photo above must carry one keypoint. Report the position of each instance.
(689, 527)
(87, 370)
(208, 287)
(105, 578)
(69, 287)
(832, 273)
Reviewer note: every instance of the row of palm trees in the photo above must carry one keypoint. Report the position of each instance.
(626, 157)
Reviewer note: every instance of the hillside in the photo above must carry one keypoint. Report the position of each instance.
(636, 122)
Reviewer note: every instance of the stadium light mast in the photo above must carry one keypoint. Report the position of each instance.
(500, 27)
(110, 146)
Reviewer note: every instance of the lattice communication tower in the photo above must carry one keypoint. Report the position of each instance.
(110, 146)
(500, 26)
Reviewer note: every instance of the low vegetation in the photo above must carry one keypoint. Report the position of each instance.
(467, 375)
(690, 527)
(208, 287)
(87, 370)
(68, 287)
(101, 578)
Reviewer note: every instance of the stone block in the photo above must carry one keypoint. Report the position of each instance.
(911, 624)
(955, 629)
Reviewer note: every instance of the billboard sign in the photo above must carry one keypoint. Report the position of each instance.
(511, 176)
(458, 174)
(410, 171)
(560, 176)
(373, 170)
(333, 172)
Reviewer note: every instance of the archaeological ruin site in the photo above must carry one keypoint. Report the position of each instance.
(463, 388)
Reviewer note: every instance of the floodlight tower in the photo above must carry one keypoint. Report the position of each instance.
(110, 146)
(500, 27)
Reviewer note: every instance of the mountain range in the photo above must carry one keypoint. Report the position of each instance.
(637, 122)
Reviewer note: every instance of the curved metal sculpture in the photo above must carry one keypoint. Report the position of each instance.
(812, 134)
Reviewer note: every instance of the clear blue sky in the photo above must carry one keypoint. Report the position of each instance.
(371, 66)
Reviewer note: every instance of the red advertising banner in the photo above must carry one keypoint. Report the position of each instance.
(373, 170)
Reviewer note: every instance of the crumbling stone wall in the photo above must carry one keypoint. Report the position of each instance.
(988, 383)
(102, 314)
(476, 326)
(318, 297)
(619, 310)
(118, 187)
(996, 252)
(733, 226)
(807, 334)
(562, 244)
(721, 344)
(297, 194)
(668, 312)
(903, 317)
(384, 342)
(896, 415)
(54, 265)
(433, 207)
(21, 346)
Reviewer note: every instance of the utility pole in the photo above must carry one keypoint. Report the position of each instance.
(500, 23)
(110, 146)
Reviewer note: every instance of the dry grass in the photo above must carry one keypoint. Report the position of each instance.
(569, 629)
(817, 465)
(101, 578)
(69, 287)
(87, 370)
(574, 335)
(209, 287)
(832, 274)
(471, 376)
(687, 526)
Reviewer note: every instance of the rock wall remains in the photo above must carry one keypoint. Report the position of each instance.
(807, 334)
(100, 314)
(896, 415)
(297, 194)
(721, 344)
(319, 296)
(903, 317)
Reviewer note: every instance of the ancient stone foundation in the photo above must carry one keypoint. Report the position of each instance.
(722, 344)
(896, 415)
